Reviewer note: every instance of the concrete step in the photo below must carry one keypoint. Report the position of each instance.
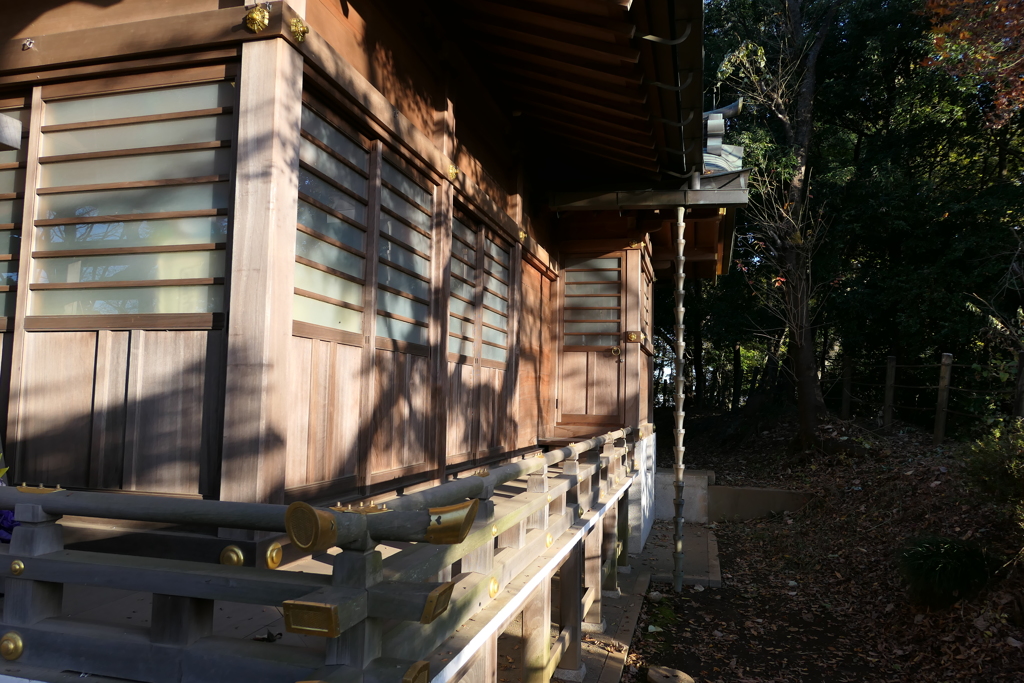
(695, 494)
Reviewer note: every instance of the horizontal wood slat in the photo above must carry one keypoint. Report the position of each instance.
(142, 321)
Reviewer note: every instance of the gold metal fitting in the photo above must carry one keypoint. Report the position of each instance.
(453, 172)
(258, 18)
(274, 555)
(494, 530)
(636, 244)
(311, 618)
(437, 602)
(482, 472)
(548, 540)
(492, 587)
(17, 567)
(549, 497)
(417, 673)
(451, 524)
(299, 30)
(11, 646)
(522, 235)
(632, 336)
(311, 529)
(233, 556)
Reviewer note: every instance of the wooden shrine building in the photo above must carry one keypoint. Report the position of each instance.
(329, 251)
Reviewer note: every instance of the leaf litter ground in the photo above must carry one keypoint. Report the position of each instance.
(815, 595)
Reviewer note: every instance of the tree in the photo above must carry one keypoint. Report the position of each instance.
(982, 40)
(778, 74)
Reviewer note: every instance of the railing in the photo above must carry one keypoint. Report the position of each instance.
(454, 548)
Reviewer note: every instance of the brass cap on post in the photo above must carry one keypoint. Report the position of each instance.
(310, 528)
(492, 587)
(11, 646)
(450, 524)
(274, 555)
(17, 567)
(437, 602)
(233, 556)
(417, 673)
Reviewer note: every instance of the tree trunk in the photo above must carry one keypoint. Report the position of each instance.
(737, 376)
(806, 370)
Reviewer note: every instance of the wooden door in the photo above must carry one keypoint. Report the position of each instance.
(592, 372)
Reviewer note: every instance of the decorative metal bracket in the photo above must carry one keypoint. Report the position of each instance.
(299, 30)
(258, 18)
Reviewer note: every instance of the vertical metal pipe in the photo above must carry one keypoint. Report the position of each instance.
(680, 413)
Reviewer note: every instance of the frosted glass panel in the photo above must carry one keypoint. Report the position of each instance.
(492, 267)
(402, 232)
(591, 340)
(12, 180)
(462, 289)
(320, 313)
(492, 318)
(331, 226)
(404, 209)
(592, 289)
(12, 155)
(494, 336)
(396, 329)
(405, 258)
(331, 167)
(190, 98)
(122, 267)
(587, 301)
(7, 301)
(10, 242)
(402, 282)
(157, 133)
(461, 230)
(331, 197)
(587, 262)
(399, 305)
(8, 272)
(133, 233)
(591, 327)
(464, 252)
(10, 211)
(495, 303)
(139, 200)
(595, 314)
(496, 286)
(460, 346)
(194, 164)
(328, 255)
(459, 307)
(405, 185)
(335, 139)
(325, 284)
(493, 353)
(592, 276)
(496, 252)
(460, 326)
(460, 268)
(191, 299)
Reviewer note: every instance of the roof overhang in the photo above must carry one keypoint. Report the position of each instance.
(719, 189)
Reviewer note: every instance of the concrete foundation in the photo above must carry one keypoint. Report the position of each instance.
(642, 494)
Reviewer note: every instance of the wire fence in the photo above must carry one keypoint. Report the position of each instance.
(952, 397)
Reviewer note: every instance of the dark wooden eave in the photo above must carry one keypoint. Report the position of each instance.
(602, 76)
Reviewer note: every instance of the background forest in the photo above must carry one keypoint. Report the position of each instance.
(887, 200)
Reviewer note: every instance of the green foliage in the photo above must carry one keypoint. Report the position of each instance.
(995, 464)
(940, 571)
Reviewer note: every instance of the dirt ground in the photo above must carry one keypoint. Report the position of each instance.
(816, 595)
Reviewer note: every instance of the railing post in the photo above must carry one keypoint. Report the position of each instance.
(570, 583)
(360, 644)
(537, 634)
(847, 387)
(27, 602)
(890, 385)
(594, 623)
(1018, 403)
(945, 371)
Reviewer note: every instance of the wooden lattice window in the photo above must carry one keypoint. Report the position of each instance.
(593, 301)
(132, 206)
(330, 241)
(12, 189)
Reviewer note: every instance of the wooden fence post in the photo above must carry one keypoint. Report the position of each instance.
(890, 382)
(945, 371)
(847, 387)
(1018, 400)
